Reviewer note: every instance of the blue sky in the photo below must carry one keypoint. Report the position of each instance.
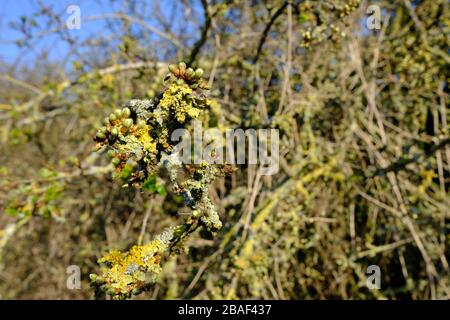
(13, 10)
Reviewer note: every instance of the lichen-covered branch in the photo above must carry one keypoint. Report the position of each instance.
(138, 139)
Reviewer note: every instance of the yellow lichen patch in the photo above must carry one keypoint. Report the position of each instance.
(124, 272)
(177, 99)
(242, 261)
(143, 137)
(114, 256)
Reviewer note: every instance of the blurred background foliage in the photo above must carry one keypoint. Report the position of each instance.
(364, 156)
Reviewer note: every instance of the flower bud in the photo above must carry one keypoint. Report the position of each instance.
(118, 113)
(128, 123)
(172, 68)
(114, 132)
(111, 291)
(199, 73)
(112, 117)
(115, 162)
(100, 135)
(182, 66)
(111, 153)
(190, 73)
(204, 85)
(126, 112)
(141, 123)
(136, 291)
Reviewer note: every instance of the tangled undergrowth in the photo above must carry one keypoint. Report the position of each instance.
(364, 159)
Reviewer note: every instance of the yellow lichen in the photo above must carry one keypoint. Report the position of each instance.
(125, 272)
(177, 100)
(147, 142)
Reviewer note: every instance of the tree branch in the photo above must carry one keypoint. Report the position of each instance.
(204, 36)
(265, 33)
(403, 162)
